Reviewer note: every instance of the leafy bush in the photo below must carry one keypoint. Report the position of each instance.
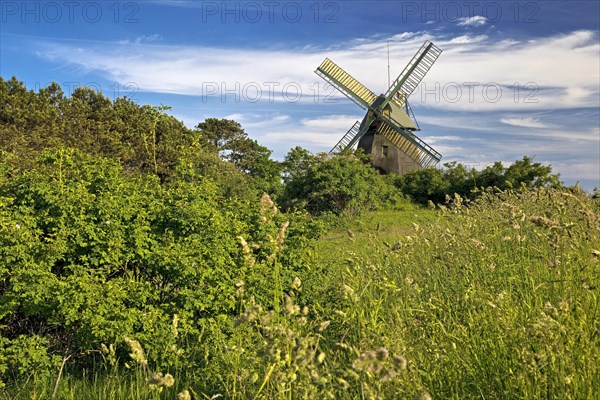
(433, 184)
(89, 255)
(339, 184)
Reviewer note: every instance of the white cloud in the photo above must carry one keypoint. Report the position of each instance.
(528, 122)
(476, 20)
(490, 75)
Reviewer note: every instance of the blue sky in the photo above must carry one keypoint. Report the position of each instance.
(516, 77)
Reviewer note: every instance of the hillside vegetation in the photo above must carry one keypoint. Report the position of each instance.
(140, 259)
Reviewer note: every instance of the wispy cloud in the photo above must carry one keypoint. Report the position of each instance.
(528, 122)
(474, 72)
(142, 39)
(476, 20)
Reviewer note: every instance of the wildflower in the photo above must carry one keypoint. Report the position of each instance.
(281, 235)
(168, 380)
(290, 307)
(244, 244)
(267, 207)
(157, 379)
(247, 252)
(252, 314)
(137, 352)
(368, 362)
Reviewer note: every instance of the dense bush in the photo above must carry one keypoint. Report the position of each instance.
(342, 184)
(90, 255)
(433, 184)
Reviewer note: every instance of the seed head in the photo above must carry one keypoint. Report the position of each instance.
(175, 323)
(157, 379)
(185, 395)
(400, 362)
(290, 307)
(321, 358)
(297, 284)
(323, 325)
(137, 352)
(382, 353)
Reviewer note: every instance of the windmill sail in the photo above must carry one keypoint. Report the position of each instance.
(345, 83)
(414, 72)
(347, 138)
(409, 143)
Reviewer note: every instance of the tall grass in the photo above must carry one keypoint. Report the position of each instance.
(495, 300)
(498, 300)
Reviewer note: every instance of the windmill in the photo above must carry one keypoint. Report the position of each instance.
(387, 131)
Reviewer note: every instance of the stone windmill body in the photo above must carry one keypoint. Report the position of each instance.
(387, 130)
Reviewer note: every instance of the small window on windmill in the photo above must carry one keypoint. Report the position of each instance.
(384, 151)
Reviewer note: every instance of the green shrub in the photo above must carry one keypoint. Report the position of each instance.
(343, 184)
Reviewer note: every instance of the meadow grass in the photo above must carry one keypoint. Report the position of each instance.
(497, 300)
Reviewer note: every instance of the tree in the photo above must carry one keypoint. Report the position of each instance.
(530, 175)
(229, 139)
(296, 163)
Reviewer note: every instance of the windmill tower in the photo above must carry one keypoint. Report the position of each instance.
(387, 131)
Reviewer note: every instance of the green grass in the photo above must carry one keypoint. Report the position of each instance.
(495, 301)
(365, 235)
